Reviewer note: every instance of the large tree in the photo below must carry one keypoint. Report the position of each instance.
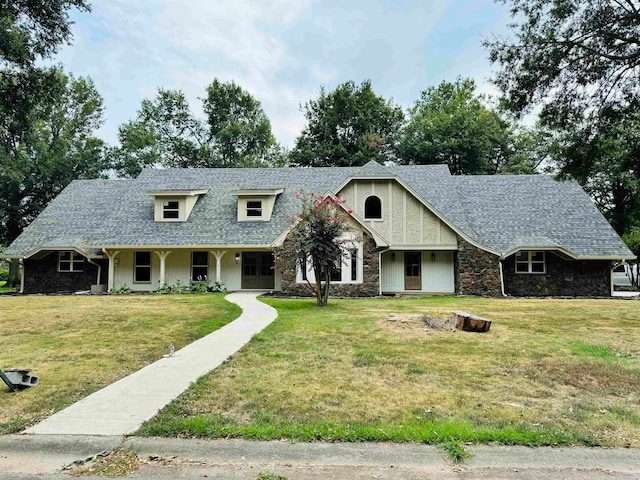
(56, 146)
(452, 124)
(348, 126)
(165, 132)
(578, 62)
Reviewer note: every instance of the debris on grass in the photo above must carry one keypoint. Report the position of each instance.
(117, 463)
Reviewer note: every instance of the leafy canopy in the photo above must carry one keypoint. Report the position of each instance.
(236, 133)
(451, 124)
(348, 126)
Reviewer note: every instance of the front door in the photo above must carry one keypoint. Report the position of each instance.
(412, 270)
(258, 271)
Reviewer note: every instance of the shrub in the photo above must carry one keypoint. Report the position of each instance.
(4, 274)
(123, 290)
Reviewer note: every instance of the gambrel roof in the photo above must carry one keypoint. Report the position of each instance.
(502, 213)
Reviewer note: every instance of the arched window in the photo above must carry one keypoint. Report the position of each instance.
(372, 208)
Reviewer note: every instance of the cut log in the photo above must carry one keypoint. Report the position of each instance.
(470, 323)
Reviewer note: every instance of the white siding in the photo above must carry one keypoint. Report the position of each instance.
(437, 275)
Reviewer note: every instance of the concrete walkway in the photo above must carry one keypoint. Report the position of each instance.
(123, 406)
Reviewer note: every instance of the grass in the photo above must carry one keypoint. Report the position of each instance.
(78, 344)
(4, 289)
(549, 372)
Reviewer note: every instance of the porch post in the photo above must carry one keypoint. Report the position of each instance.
(112, 270)
(163, 254)
(218, 254)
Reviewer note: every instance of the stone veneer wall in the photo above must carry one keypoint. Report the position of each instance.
(42, 276)
(370, 286)
(477, 271)
(570, 278)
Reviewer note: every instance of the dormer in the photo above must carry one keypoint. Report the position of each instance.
(256, 205)
(174, 205)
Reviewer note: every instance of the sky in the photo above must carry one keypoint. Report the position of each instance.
(281, 51)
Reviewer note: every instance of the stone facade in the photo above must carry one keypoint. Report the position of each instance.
(42, 276)
(477, 271)
(570, 278)
(370, 286)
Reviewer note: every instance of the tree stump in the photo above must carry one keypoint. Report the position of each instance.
(470, 323)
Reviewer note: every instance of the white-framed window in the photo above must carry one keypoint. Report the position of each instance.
(373, 208)
(254, 208)
(170, 209)
(530, 262)
(349, 270)
(142, 267)
(70, 261)
(199, 266)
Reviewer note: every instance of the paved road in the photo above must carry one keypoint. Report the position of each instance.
(123, 406)
(42, 456)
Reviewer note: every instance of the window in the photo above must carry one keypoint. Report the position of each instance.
(530, 262)
(354, 264)
(170, 209)
(372, 208)
(254, 208)
(336, 271)
(199, 266)
(142, 267)
(70, 262)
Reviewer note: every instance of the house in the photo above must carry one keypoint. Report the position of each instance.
(419, 230)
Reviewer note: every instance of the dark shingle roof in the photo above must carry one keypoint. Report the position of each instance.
(501, 213)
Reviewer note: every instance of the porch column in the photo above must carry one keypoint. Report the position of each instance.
(112, 270)
(163, 254)
(218, 254)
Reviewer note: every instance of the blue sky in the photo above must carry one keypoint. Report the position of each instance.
(281, 51)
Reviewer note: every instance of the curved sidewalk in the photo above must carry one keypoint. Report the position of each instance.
(123, 406)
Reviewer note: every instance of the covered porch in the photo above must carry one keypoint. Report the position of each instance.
(417, 271)
(144, 269)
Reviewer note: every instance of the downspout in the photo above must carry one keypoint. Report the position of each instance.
(380, 270)
(501, 278)
(21, 262)
(99, 269)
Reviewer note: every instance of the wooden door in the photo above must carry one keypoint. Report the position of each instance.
(413, 270)
(258, 271)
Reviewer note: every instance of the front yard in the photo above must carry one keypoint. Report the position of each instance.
(549, 372)
(78, 344)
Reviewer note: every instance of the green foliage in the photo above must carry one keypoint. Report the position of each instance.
(456, 450)
(632, 239)
(47, 144)
(316, 236)
(603, 352)
(348, 126)
(4, 274)
(451, 124)
(194, 287)
(124, 289)
(264, 475)
(237, 133)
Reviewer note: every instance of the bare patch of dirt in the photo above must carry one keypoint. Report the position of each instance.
(416, 325)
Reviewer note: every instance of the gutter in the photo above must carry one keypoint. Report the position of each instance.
(501, 278)
(99, 269)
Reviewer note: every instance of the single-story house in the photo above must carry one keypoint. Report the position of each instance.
(419, 230)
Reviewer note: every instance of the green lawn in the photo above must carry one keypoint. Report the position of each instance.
(5, 289)
(549, 372)
(78, 344)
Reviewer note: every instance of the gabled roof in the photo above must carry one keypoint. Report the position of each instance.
(499, 213)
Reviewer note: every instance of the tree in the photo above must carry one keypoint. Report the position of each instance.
(451, 124)
(237, 123)
(38, 160)
(579, 63)
(348, 126)
(32, 30)
(570, 57)
(236, 133)
(316, 236)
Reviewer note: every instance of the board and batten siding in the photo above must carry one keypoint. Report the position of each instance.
(178, 267)
(437, 275)
(405, 220)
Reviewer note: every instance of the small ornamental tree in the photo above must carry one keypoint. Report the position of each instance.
(317, 238)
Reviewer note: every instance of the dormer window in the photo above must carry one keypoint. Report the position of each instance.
(256, 205)
(174, 205)
(372, 208)
(254, 208)
(170, 209)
